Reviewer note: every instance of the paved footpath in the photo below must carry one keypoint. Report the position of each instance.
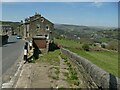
(33, 76)
(36, 75)
(39, 77)
(24, 78)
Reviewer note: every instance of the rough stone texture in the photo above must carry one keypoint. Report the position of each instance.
(93, 76)
(36, 25)
(85, 77)
(34, 76)
(118, 83)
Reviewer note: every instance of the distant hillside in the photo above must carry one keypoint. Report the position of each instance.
(9, 23)
(82, 27)
(71, 30)
(75, 31)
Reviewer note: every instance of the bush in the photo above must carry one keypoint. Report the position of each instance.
(86, 47)
(103, 46)
(112, 45)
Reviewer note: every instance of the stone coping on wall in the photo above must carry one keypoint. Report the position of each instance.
(100, 77)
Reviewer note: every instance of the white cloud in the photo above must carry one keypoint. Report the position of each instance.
(97, 4)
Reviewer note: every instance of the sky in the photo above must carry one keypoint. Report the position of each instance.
(76, 13)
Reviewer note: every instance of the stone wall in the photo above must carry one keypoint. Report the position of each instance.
(92, 75)
(21, 32)
(3, 39)
(39, 28)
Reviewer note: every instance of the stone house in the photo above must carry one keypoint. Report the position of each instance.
(6, 29)
(35, 28)
(36, 25)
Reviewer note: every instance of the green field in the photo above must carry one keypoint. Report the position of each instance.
(106, 60)
(68, 43)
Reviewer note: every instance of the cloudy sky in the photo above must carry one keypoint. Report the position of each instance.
(77, 13)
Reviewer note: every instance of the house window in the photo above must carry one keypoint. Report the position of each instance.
(42, 19)
(47, 36)
(38, 26)
(47, 27)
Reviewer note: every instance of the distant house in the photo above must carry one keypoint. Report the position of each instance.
(36, 27)
(6, 29)
(104, 43)
(78, 37)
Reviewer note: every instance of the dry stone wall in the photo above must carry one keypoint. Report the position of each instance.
(93, 76)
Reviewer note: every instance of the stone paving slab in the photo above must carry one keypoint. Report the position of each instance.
(24, 79)
(40, 77)
(33, 76)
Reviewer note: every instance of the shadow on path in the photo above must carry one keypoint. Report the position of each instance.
(11, 42)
